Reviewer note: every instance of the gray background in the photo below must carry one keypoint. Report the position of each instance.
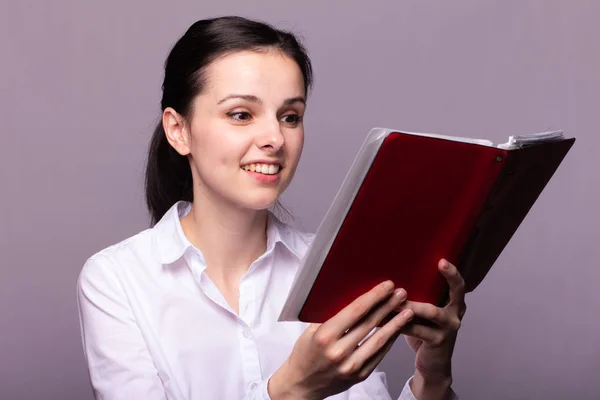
(79, 95)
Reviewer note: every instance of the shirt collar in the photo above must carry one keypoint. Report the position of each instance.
(173, 244)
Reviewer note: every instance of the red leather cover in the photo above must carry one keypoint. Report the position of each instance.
(523, 178)
(419, 202)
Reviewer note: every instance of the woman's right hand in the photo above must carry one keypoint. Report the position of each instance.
(327, 358)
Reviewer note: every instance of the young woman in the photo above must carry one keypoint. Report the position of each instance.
(188, 308)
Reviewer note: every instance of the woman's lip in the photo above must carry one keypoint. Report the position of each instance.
(246, 167)
(263, 162)
(264, 178)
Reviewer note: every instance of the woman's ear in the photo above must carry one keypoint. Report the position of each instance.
(176, 131)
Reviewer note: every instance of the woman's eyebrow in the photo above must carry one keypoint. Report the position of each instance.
(248, 97)
(253, 99)
(293, 100)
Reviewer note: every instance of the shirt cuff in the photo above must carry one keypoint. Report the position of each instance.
(264, 390)
(258, 391)
(407, 394)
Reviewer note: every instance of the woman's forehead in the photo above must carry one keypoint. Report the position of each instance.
(261, 74)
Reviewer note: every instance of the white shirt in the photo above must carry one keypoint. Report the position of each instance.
(154, 326)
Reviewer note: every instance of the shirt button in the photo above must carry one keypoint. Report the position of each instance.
(247, 334)
(253, 385)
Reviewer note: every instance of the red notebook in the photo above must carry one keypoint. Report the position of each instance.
(410, 199)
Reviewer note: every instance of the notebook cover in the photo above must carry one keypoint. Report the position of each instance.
(525, 175)
(417, 204)
(434, 195)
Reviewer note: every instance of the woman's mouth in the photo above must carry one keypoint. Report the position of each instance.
(263, 173)
(266, 169)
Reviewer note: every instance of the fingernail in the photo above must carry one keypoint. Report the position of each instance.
(407, 313)
(400, 293)
(389, 285)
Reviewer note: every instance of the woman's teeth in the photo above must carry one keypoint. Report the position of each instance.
(267, 169)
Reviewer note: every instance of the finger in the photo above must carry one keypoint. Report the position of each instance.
(336, 326)
(456, 283)
(357, 333)
(374, 361)
(427, 313)
(312, 328)
(431, 336)
(376, 342)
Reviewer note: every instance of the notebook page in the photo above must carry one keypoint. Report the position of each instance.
(483, 142)
(516, 141)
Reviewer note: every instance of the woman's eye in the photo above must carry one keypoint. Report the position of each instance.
(293, 119)
(239, 115)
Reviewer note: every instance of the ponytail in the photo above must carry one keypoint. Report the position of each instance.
(168, 176)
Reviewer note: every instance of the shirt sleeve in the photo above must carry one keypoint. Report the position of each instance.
(408, 395)
(375, 387)
(119, 363)
(261, 391)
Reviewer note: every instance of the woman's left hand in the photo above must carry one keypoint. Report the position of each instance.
(433, 341)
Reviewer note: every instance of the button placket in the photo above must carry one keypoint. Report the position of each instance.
(247, 303)
(247, 344)
(247, 334)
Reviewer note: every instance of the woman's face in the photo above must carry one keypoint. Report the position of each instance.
(245, 135)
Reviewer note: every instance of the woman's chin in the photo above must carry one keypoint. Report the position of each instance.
(263, 205)
(259, 203)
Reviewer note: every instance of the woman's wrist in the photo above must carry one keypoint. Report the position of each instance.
(275, 387)
(281, 385)
(426, 387)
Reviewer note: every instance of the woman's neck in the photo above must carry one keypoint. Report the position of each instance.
(230, 238)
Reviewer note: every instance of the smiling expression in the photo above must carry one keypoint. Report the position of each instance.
(245, 133)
